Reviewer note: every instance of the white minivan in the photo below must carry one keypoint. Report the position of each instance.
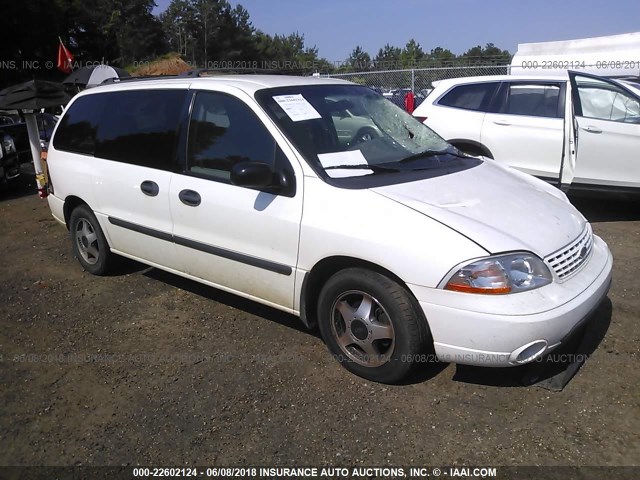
(394, 243)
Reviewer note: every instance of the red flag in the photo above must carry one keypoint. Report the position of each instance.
(65, 59)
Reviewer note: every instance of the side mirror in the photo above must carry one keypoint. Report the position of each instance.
(251, 174)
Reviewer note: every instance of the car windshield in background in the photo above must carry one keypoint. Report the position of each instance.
(351, 131)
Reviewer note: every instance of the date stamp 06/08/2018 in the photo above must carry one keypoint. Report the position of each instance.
(580, 64)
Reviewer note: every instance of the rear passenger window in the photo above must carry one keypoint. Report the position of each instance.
(532, 100)
(475, 96)
(224, 131)
(78, 127)
(141, 127)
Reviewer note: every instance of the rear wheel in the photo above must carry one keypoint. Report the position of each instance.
(371, 324)
(88, 241)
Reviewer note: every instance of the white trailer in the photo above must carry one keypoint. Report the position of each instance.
(610, 56)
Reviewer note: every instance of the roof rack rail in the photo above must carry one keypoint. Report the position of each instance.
(137, 79)
(198, 72)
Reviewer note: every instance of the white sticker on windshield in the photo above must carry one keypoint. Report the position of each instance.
(297, 107)
(330, 161)
(343, 172)
(353, 157)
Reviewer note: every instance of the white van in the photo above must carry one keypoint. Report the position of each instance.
(394, 243)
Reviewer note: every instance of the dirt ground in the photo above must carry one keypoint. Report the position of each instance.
(147, 368)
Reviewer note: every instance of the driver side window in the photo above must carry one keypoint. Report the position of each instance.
(224, 131)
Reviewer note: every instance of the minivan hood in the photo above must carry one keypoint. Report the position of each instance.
(497, 207)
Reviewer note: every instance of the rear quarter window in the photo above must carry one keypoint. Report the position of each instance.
(141, 127)
(77, 130)
(138, 126)
(473, 96)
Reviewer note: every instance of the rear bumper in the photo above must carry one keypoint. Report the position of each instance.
(57, 208)
(510, 330)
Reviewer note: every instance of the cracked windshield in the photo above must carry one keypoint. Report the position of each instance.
(353, 131)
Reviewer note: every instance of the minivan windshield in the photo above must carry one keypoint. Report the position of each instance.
(351, 131)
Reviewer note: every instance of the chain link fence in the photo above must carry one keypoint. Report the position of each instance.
(396, 83)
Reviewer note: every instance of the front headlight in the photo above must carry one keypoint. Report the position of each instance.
(500, 274)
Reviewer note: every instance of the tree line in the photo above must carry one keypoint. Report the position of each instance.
(204, 32)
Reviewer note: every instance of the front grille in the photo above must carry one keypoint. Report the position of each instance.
(567, 261)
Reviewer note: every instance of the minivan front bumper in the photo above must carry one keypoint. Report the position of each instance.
(509, 330)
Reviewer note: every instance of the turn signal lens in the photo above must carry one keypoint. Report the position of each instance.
(516, 272)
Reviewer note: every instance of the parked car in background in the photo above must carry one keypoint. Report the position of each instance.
(13, 125)
(399, 95)
(9, 163)
(395, 246)
(378, 90)
(581, 130)
(352, 126)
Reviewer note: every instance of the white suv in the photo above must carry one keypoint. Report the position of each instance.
(579, 129)
(395, 244)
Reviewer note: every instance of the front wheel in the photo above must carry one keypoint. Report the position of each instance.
(372, 325)
(88, 241)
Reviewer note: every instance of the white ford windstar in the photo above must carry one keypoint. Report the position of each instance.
(389, 239)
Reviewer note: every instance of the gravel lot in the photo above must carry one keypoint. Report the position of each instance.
(147, 368)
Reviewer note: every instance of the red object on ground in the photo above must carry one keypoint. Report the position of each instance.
(65, 59)
(409, 102)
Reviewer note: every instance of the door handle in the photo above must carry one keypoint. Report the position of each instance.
(592, 129)
(149, 188)
(501, 122)
(190, 198)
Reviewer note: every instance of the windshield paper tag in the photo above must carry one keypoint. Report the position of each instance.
(342, 173)
(353, 157)
(297, 107)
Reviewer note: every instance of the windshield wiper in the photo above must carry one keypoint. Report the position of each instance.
(432, 153)
(363, 166)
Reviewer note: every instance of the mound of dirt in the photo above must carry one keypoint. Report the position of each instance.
(166, 66)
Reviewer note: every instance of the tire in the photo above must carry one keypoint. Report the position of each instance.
(378, 307)
(88, 242)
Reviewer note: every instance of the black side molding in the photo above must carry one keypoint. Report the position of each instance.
(231, 255)
(203, 247)
(140, 229)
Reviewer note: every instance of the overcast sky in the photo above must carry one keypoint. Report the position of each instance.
(337, 26)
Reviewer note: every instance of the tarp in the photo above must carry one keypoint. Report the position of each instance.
(33, 95)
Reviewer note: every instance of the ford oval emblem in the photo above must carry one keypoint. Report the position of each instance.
(583, 253)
